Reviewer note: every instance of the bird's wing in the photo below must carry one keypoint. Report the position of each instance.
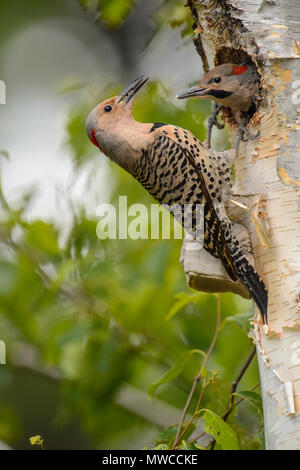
(218, 239)
(173, 176)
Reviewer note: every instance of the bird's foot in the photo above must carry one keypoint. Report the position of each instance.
(213, 121)
(249, 136)
(243, 134)
(218, 124)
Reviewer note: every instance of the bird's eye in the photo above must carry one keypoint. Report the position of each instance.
(108, 108)
(217, 79)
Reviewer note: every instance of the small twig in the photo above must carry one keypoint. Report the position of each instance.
(233, 389)
(239, 377)
(190, 421)
(185, 410)
(238, 402)
(197, 378)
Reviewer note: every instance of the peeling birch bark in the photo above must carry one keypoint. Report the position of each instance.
(268, 183)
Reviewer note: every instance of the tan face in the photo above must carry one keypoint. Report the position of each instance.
(112, 128)
(227, 84)
(104, 119)
(105, 125)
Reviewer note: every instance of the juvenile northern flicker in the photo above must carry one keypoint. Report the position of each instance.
(230, 86)
(176, 169)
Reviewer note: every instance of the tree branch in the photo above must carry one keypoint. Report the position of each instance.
(197, 378)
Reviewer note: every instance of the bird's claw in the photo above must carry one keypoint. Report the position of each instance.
(213, 121)
(244, 135)
(218, 124)
(249, 135)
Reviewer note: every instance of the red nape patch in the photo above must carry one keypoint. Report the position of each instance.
(239, 69)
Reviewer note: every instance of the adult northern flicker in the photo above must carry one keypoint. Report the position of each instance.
(230, 86)
(178, 171)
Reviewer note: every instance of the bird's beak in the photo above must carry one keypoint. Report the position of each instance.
(128, 93)
(195, 91)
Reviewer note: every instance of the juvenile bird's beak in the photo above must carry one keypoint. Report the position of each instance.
(128, 93)
(191, 92)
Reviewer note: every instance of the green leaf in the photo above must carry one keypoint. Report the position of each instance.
(77, 139)
(161, 447)
(43, 235)
(8, 278)
(167, 435)
(183, 299)
(36, 440)
(191, 446)
(70, 85)
(112, 12)
(5, 154)
(223, 433)
(242, 320)
(253, 398)
(261, 437)
(172, 373)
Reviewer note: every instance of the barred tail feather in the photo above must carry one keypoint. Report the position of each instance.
(254, 285)
(243, 271)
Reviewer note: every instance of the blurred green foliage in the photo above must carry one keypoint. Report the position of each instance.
(84, 319)
(111, 12)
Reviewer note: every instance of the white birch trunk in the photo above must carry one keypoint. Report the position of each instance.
(268, 174)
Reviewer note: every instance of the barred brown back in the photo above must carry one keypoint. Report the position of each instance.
(168, 173)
